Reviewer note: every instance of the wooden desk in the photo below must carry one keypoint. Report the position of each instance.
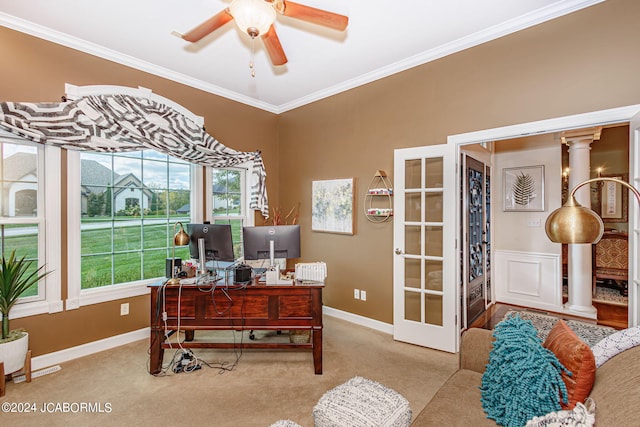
(252, 307)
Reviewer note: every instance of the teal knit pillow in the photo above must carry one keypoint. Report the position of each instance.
(522, 379)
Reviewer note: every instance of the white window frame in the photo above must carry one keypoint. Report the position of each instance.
(245, 184)
(78, 297)
(200, 184)
(49, 231)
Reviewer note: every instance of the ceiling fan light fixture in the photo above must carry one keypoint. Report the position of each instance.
(253, 17)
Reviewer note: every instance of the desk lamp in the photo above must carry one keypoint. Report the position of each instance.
(181, 238)
(573, 223)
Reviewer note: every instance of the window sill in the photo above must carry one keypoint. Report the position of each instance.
(33, 308)
(109, 293)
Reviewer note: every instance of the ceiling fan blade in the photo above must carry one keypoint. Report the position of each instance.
(315, 16)
(208, 26)
(273, 47)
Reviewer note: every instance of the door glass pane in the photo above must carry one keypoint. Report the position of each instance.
(433, 275)
(412, 241)
(412, 306)
(433, 309)
(412, 173)
(412, 207)
(434, 172)
(433, 241)
(433, 207)
(412, 273)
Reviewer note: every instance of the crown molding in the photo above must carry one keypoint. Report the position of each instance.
(508, 27)
(548, 13)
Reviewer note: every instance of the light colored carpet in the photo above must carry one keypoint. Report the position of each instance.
(264, 387)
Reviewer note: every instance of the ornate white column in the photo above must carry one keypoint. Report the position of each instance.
(579, 264)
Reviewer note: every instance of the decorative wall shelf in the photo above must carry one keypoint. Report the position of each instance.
(378, 200)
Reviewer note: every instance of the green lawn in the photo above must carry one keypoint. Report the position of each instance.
(138, 252)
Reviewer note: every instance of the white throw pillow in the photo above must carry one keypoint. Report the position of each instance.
(615, 343)
(583, 415)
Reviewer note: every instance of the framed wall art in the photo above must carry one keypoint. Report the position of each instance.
(611, 200)
(332, 206)
(523, 189)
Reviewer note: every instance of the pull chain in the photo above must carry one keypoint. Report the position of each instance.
(253, 71)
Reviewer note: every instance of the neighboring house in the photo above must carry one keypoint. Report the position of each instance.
(129, 192)
(19, 195)
(184, 210)
(221, 200)
(20, 187)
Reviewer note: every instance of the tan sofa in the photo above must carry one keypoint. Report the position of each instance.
(616, 391)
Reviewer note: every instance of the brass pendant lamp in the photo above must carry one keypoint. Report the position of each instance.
(573, 223)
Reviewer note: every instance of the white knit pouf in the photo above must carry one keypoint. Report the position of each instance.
(285, 423)
(362, 403)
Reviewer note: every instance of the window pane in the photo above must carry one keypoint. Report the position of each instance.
(154, 263)
(128, 219)
(155, 174)
(20, 198)
(96, 271)
(96, 170)
(154, 155)
(19, 179)
(227, 192)
(127, 267)
(227, 196)
(24, 240)
(179, 176)
(125, 167)
(127, 236)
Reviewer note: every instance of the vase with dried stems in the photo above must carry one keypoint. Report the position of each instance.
(278, 218)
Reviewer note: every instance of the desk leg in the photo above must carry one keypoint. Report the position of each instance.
(317, 350)
(2, 379)
(157, 352)
(189, 334)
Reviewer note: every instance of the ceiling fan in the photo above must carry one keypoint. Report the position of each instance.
(256, 18)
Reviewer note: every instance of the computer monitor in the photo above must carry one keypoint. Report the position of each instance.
(257, 242)
(218, 243)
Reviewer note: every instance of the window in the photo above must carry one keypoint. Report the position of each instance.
(229, 202)
(127, 205)
(30, 222)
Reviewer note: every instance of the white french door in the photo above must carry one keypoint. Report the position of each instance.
(424, 285)
(634, 222)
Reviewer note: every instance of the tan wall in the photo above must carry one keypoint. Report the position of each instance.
(583, 62)
(34, 70)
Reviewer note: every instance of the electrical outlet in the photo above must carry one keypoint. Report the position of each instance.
(124, 309)
(356, 293)
(363, 295)
(533, 222)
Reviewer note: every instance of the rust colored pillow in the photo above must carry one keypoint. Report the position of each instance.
(577, 357)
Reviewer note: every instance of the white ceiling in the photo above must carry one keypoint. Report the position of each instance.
(383, 38)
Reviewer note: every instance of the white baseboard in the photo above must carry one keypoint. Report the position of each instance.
(358, 320)
(67, 354)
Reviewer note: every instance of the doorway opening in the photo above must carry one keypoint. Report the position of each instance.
(614, 121)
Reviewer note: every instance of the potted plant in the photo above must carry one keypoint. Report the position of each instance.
(16, 276)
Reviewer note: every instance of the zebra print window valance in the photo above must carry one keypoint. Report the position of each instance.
(114, 123)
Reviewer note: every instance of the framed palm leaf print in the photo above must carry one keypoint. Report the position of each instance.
(523, 189)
